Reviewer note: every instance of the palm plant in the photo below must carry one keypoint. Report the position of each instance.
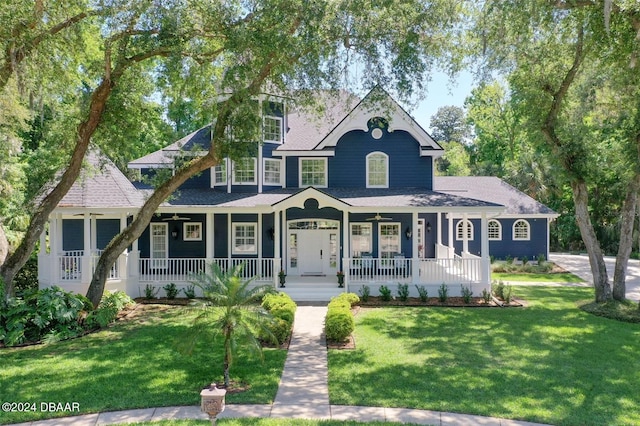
(232, 309)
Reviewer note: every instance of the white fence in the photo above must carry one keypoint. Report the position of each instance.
(183, 269)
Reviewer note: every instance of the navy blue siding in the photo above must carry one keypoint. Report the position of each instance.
(178, 248)
(267, 241)
(220, 235)
(430, 237)
(406, 168)
(201, 180)
(532, 248)
(72, 234)
(292, 172)
(106, 229)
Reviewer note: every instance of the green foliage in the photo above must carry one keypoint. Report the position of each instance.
(27, 276)
(350, 298)
(422, 293)
(365, 292)
(171, 290)
(107, 310)
(467, 293)
(385, 293)
(283, 309)
(403, 292)
(150, 291)
(525, 260)
(541, 259)
(509, 260)
(339, 323)
(486, 295)
(498, 289)
(443, 293)
(48, 315)
(230, 307)
(189, 291)
(508, 293)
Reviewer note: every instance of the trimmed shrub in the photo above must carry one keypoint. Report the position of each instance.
(385, 293)
(189, 291)
(443, 293)
(422, 293)
(171, 290)
(403, 292)
(352, 298)
(466, 293)
(365, 292)
(283, 309)
(339, 324)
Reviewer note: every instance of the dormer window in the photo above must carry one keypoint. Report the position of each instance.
(273, 129)
(244, 172)
(377, 170)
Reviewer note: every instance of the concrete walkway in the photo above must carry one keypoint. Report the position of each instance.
(303, 393)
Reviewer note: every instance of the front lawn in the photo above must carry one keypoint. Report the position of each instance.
(556, 277)
(133, 364)
(550, 362)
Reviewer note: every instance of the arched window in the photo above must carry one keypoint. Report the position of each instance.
(494, 230)
(521, 230)
(460, 230)
(377, 170)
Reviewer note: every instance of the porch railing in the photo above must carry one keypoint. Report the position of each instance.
(114, 272)
(183, 269)
(70, 265)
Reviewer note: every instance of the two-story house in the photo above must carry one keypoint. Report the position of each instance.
(350, 191)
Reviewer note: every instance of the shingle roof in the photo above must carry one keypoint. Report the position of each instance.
(101, 185)
(200, 139)
(493, 189)
(375, 198)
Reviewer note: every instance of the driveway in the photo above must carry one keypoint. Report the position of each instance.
(579, 265)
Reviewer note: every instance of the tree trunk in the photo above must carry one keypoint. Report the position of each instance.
(123, 240)
(4, 245)
(627, 220)
(596, 257)
(86, 129)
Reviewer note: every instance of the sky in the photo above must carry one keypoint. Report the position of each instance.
(441, 92)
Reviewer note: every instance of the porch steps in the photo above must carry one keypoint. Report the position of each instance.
(306, 292)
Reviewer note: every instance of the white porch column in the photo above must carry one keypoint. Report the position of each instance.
(452, 249)
(59, 234)
(44, 264)
(86, 254)
(485, 273)
(415, 262)
(229, 236)
(277, 255)
(465, 235)
(346, 248)
(134, 245)
(439, 228)
(209, 246)
(259, 238)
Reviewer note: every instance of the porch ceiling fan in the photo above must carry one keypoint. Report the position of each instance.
(176, 217)
(378, 217)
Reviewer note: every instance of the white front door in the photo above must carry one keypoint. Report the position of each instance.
(313, 248)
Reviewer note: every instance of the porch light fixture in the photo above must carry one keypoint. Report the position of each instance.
(407, 233)
(271, 233)
(174, 232)
(428, 226)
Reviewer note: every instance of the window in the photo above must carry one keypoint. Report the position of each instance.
(244, 238)
(192, 231)
(273, 129)
(360, 239)
(220, 173)
(460, 230)
(377, 170)
(389, 240)
(313, 172)
(494, 230)
(521, 230)
(244, 171)
(272, 175)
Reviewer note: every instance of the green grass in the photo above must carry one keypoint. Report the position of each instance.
(550, 362)
(559, 277)
(267, 422)
(133, 364)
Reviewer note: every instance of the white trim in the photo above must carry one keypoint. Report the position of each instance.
(186, 225)
(214, 181)
(326, 172)
(513, 231)
(264, 171)
(469, 228)
(234, 245)
(255, 177)
(386, 167)
(499, 237)
(159, 262)
(380, 226)
(305, 153)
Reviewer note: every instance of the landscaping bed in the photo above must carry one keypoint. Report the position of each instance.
(451, 302)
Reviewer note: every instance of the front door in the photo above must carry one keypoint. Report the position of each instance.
(313, 248)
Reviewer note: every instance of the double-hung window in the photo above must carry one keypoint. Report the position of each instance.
(272, 172)
(361, 239)
(272, 129)
(244, 171)
(377, 170)
(389, 239)
(219, 173)
(244, 238)
(313, 172)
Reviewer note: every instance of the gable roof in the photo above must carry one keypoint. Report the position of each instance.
(101, 185)
(493, 189)
(201, 138)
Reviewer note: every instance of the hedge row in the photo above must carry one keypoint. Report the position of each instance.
(339, 323)
(283, 310)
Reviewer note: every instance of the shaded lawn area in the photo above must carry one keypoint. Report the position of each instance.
(550, 362)
(268, 422)
(559, 277)
(133, 364)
